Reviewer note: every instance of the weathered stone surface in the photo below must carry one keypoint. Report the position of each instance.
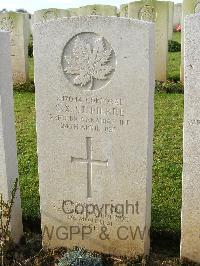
(101, 10)
(190, 242)
(188, 7)
(49, 14)
(177, 15)
(8, 152)
(157, 12)
(16, 24)
(171, 14)
(94, 81)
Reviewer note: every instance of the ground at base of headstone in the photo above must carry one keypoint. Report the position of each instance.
(170, 87)
(25, 87)
(30, 252)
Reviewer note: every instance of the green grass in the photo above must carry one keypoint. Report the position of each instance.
(174, 61)
(27, 158)
(176, 37)
(167, 169)
(31, 68)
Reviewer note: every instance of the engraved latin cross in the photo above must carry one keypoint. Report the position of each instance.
(90, 162)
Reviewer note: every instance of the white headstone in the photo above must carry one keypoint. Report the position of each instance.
(188, 7)
(16, 24)
(100, 10)
(73, 11)
(171, 14)
(31, 18)
(94, 80)
(49, 14)
(158, 12)
(8, 151)
(27, 31)
(190, 237)
(177, 15)
(124, 10)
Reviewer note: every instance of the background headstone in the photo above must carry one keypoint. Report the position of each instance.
(171, 15)
(28, 30)
(124, 10)
(98, 113)
(100, 10)
(8, 151)
(188, 7)
(49, 14)
(73, 11)
(17, 25)
(31, 21)
(190, 240)
(158, 12)
(177, 15)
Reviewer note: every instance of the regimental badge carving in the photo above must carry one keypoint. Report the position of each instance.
(147, 13)
(7, 24)
(88, 61)
(94, 11)
(197, 7)
(50, 14)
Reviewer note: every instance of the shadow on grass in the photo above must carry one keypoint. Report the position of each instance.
(165, 243)
(29, 86)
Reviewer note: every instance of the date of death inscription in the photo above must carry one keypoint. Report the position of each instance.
(90, 114)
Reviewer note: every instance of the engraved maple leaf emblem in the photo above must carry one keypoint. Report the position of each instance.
(88, 63)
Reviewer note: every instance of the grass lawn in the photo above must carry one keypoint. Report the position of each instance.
(174, 61)
(27, 158)
(31, 69)
(167, 169)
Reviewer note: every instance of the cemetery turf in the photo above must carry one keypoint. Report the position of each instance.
(167, 167)
(174, 60)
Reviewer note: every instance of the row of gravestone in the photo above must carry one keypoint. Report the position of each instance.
(94, 79)
(157, 11)
(166, 16)
(19, 25)
(107, 11)
(177, 20)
